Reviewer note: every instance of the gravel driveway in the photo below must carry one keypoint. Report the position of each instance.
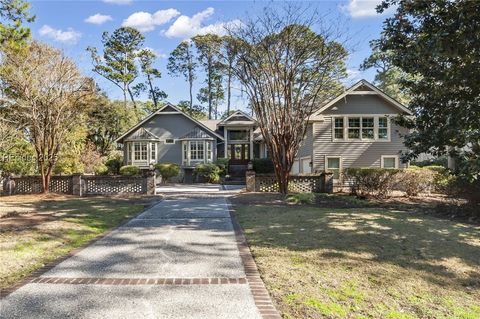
(179, 259)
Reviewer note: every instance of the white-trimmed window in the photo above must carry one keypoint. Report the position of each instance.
(140, 151)
(368, 128)
(196, 150)
(361, 128)
(185, 151)
(129, 152)
(169, 141)
(389, 161)
(153, 152)
(383, 128)
(209, 151)
(353, 129)
(334, 164)
(338, 128)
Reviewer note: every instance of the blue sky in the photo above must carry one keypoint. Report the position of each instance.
(75, 25)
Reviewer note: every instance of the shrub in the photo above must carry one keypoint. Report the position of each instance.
(222, 164)
(210, 173)
(101, 169)
(113, 166)
(129, 170)
(461, 187)
(417, 180)
(371, 181)
(167, 170)
(263, 166)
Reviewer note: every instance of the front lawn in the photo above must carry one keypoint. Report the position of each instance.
(38, 229)
(362, 262)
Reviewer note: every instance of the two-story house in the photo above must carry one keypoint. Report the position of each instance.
(354, 129)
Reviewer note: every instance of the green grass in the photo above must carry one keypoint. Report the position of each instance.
(364, 262)
(75, 221)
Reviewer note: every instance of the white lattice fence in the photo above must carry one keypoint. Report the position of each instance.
(101, 185)
(33, 185)
(297, 184)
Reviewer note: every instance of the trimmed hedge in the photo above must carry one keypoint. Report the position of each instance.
(167, 171)
(129, 170)
(263, 166)
(377, 182)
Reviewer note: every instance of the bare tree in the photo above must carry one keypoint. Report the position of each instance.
(287, 69)
(46, 95)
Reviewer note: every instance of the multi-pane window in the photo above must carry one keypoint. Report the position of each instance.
(140, 152)
(185, 151)
(209, 151)
(333, 165)
(338, 130)
(129, 152)
(361, 128)
(353, 128)
(382, 128)
(153, 151)
(196, 150)
(368, 127)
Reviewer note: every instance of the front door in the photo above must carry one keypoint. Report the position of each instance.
(239, 153)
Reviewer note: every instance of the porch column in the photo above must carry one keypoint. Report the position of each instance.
(251, 144)
(225, 144)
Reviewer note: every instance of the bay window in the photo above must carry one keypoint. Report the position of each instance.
(140, 151)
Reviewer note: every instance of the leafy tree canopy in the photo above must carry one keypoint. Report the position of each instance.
(437, 43)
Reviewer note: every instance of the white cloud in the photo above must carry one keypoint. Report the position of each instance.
(98, 19)
(186, 27)
(69, 36)
(145, 21)
(363, 8)
(121, 2)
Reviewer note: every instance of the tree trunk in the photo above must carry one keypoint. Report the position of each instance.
(132, 98)
(209, 91)
(191, 94)
(154, 97)
(229, 81)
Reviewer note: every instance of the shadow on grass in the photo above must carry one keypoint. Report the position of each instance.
(413, 241)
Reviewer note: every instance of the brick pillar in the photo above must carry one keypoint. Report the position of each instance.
(327, 182)
(150, 183)
(8, 186)
(77, 187)
(250, 180)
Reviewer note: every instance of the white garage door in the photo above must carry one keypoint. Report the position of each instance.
(295, 167)
(306, 168)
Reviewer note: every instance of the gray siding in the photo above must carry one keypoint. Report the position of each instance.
(171, 126)
(353, 153)
(361, 104)
(307, 145)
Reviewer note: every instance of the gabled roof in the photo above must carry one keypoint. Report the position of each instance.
(170, 109)
(197, 132)
(143, 134)
(363, 87)
(230, 119)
